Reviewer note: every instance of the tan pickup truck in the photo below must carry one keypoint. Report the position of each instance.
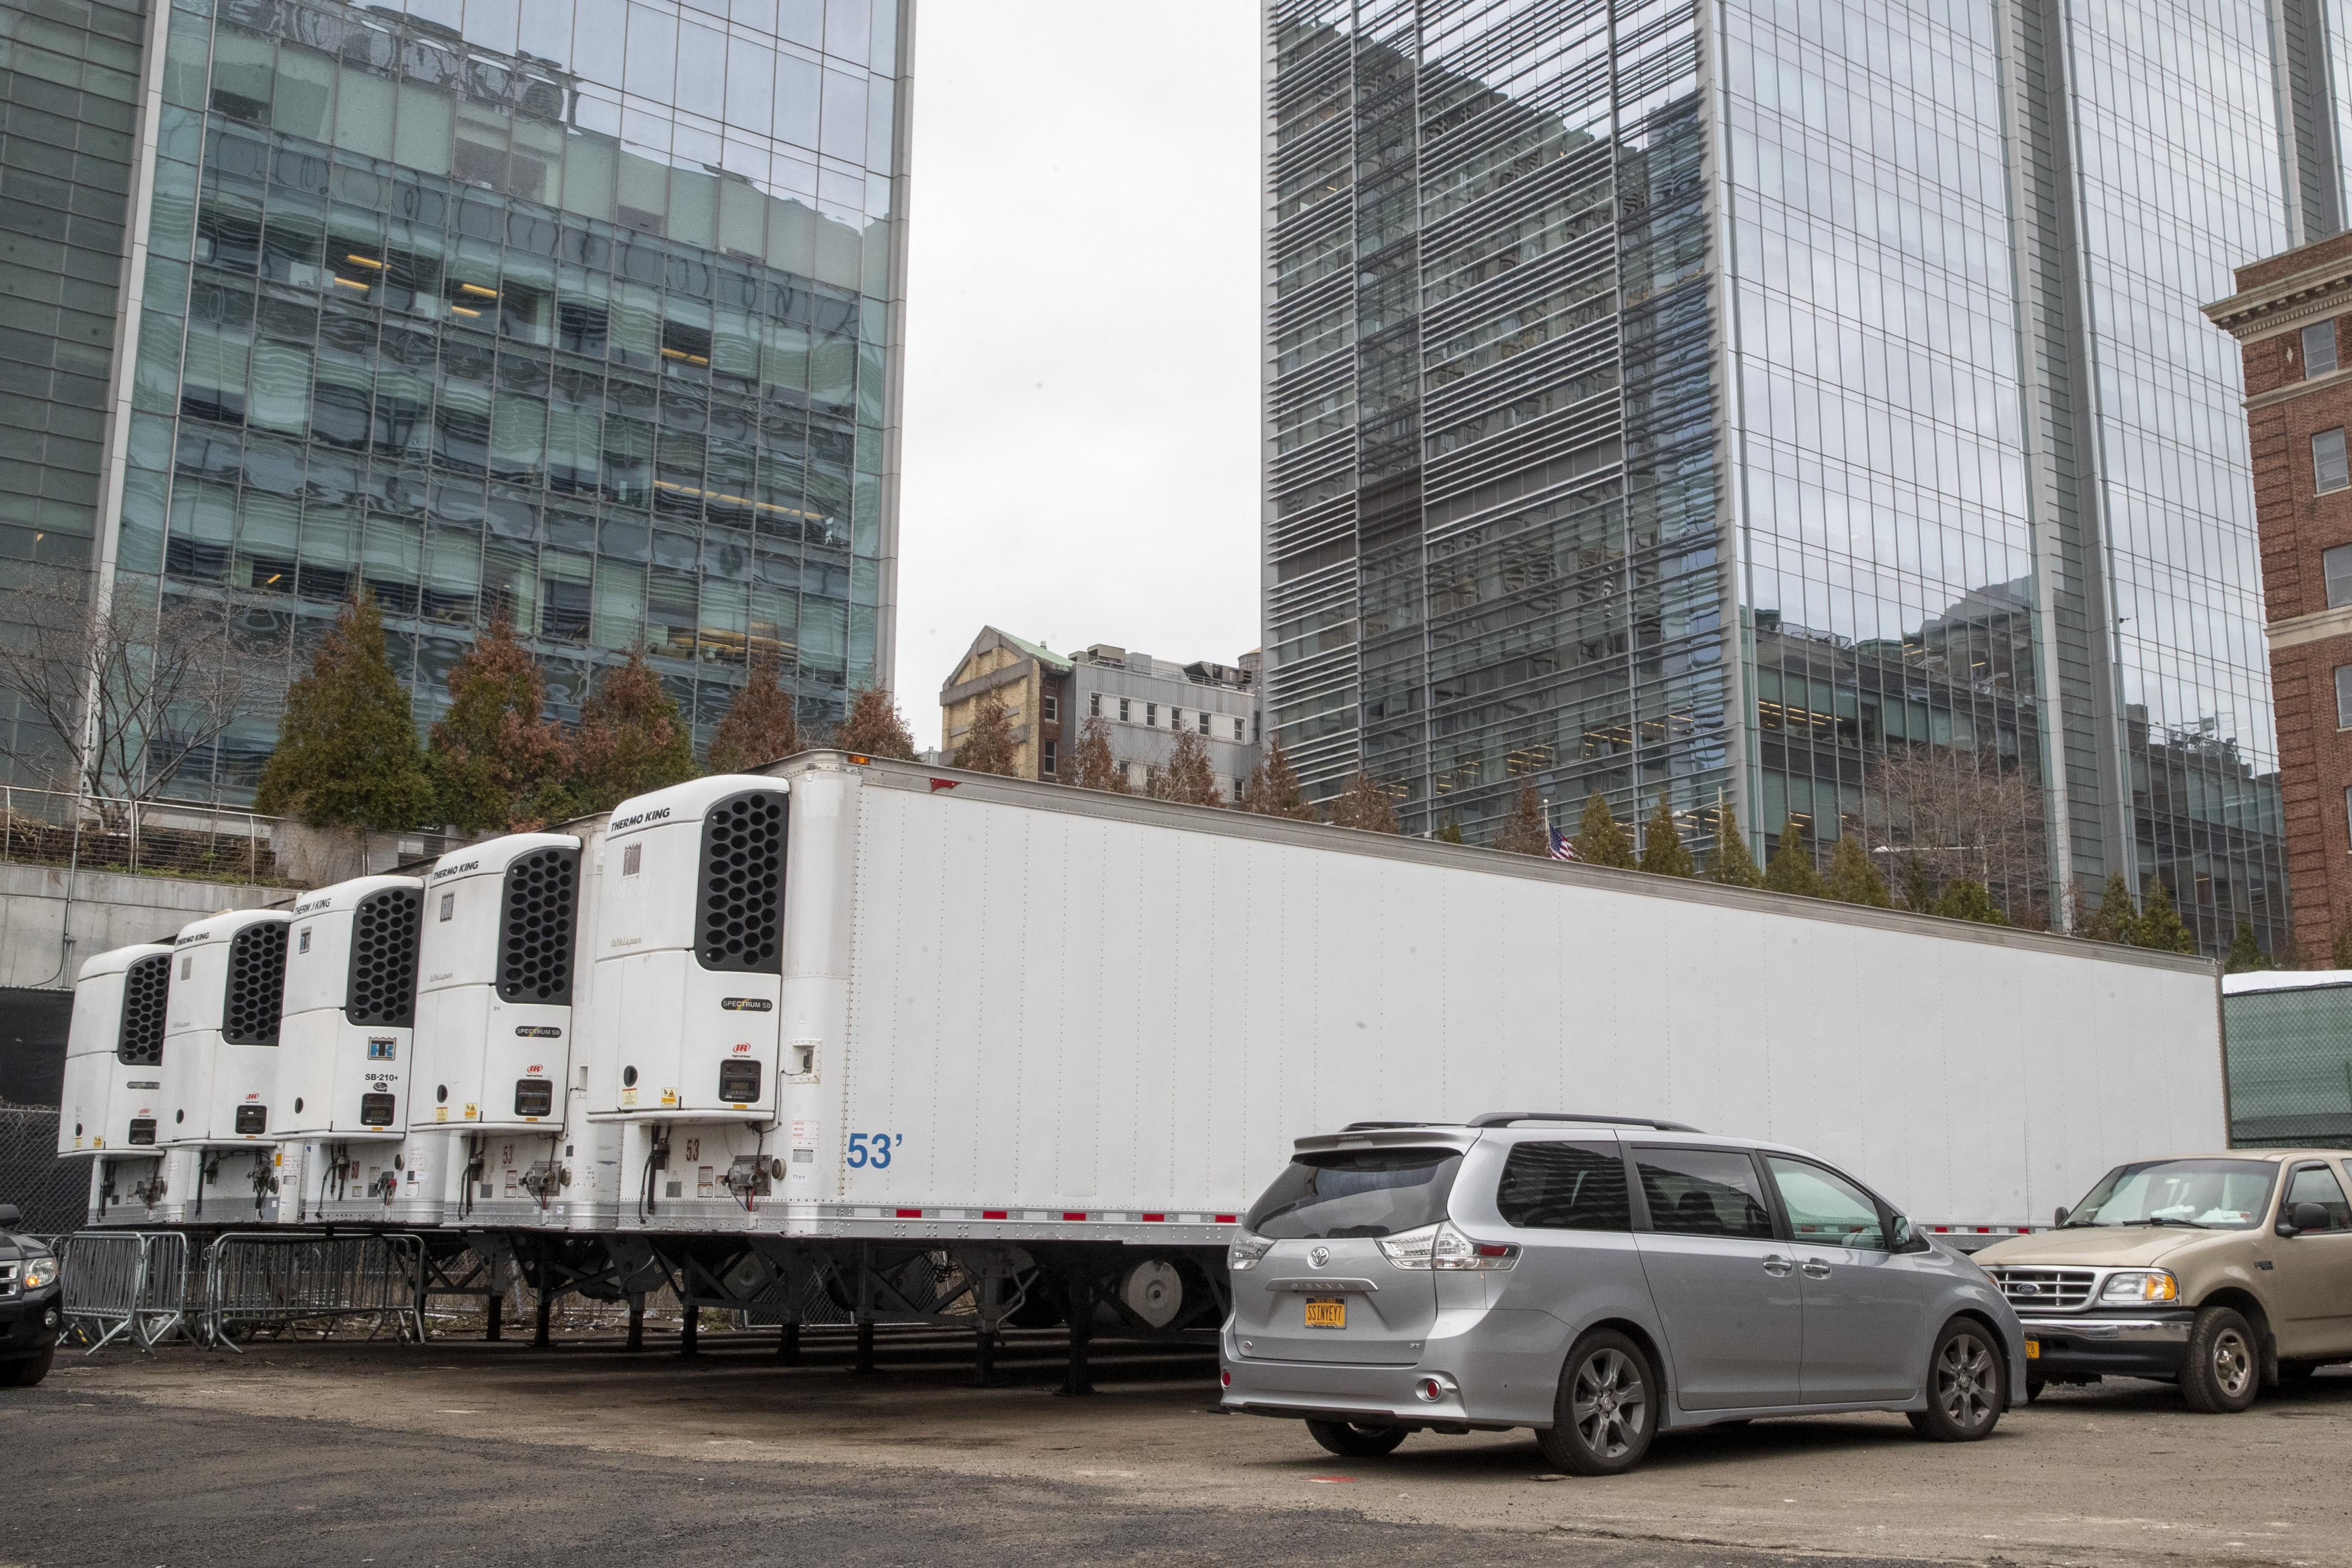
(2225, 1273)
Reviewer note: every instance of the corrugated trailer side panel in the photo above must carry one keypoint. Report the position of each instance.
(1064, 1004)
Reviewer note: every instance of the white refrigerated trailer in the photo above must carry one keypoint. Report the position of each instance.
(1023, 1012)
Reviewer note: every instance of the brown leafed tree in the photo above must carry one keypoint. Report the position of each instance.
(498, 764)
(1365, 805)
(1523, 831)
(116, 694)
(1092, 766)
(873, 727)
(1188, 777)
(989, 746)
(1272, 789)
(761, 725)
(631, 740)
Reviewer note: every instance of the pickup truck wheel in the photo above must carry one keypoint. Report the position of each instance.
(1607, 1409)
(27, 1373)
(2224, 1370)
(1967, 1385)
(1352, 1441)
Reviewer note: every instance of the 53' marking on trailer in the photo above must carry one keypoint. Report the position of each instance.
(873, 1149)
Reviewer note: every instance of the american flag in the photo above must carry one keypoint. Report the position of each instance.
(1561, 849)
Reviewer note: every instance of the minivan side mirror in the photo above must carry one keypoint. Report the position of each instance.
(2059, 1219)
(1906, 1238)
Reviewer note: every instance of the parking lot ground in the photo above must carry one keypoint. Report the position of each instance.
(463, 1453)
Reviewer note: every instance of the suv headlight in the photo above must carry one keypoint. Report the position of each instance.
(1442, 1247)
(1245, 1250)
(2140, 1285)
(40, 1272)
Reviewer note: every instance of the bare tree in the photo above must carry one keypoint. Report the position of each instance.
(1092, 765)
(1365, 805)
(1960, 815)
(1523, 831)
(1190, 776)
(989, 747)
(125, 694)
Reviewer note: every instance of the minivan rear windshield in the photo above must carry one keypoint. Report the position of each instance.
(1356, 1191)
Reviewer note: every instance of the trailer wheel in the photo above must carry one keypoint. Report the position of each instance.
(2222, 1371)
(1354, 1440)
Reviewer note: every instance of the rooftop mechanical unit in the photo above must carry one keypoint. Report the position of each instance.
(114, 1053)
(221, 1033)
(691, 954)
(345, 1049)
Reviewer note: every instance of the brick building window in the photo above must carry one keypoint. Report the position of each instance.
(2336, 565)
(2344, 696)
(1050, 709)
(2327, 464)
(1046, 756)
(2319, 349)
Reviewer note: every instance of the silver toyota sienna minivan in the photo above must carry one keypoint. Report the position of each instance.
(1595, 1279)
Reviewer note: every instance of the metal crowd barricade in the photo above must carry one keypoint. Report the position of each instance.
(258, 1277)
(129, 1283)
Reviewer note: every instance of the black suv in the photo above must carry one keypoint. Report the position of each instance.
(32, 1304)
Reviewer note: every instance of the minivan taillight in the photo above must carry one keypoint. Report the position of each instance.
(1440, 1246)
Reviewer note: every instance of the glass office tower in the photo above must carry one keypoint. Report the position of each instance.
(583, 313)
(1786, 404)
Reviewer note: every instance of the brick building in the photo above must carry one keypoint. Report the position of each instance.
(2292, 318)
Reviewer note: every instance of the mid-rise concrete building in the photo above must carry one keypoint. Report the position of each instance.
(1144, 703)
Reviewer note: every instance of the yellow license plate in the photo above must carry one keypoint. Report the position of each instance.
(2033, 1350)
(1327, 1314)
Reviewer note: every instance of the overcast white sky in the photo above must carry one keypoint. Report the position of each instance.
(1081, 405)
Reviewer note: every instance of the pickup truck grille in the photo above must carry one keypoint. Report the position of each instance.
(2047, 1289)
(8, 1279)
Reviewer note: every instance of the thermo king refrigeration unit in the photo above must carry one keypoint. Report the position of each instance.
(345, 1054)
(114, 1085)
(220, 1066)
(494, 1025)
(687, 981)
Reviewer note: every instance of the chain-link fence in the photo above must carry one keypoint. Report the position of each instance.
(2290, 1059)
(53, 1192)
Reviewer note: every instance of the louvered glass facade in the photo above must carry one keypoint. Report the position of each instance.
(1795, 405)
(582, 313)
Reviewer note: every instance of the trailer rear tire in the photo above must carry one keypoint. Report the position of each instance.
(1354, 1440)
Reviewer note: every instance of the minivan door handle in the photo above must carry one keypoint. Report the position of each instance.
(1775, 1265)
(1816, 1269)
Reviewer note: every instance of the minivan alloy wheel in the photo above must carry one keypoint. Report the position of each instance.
(1964, 1379)
(1608, 1402)
(1606, 1410)
(1967, 1385)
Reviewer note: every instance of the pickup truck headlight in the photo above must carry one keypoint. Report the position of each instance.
(40, 1272)
(2140, 1285)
